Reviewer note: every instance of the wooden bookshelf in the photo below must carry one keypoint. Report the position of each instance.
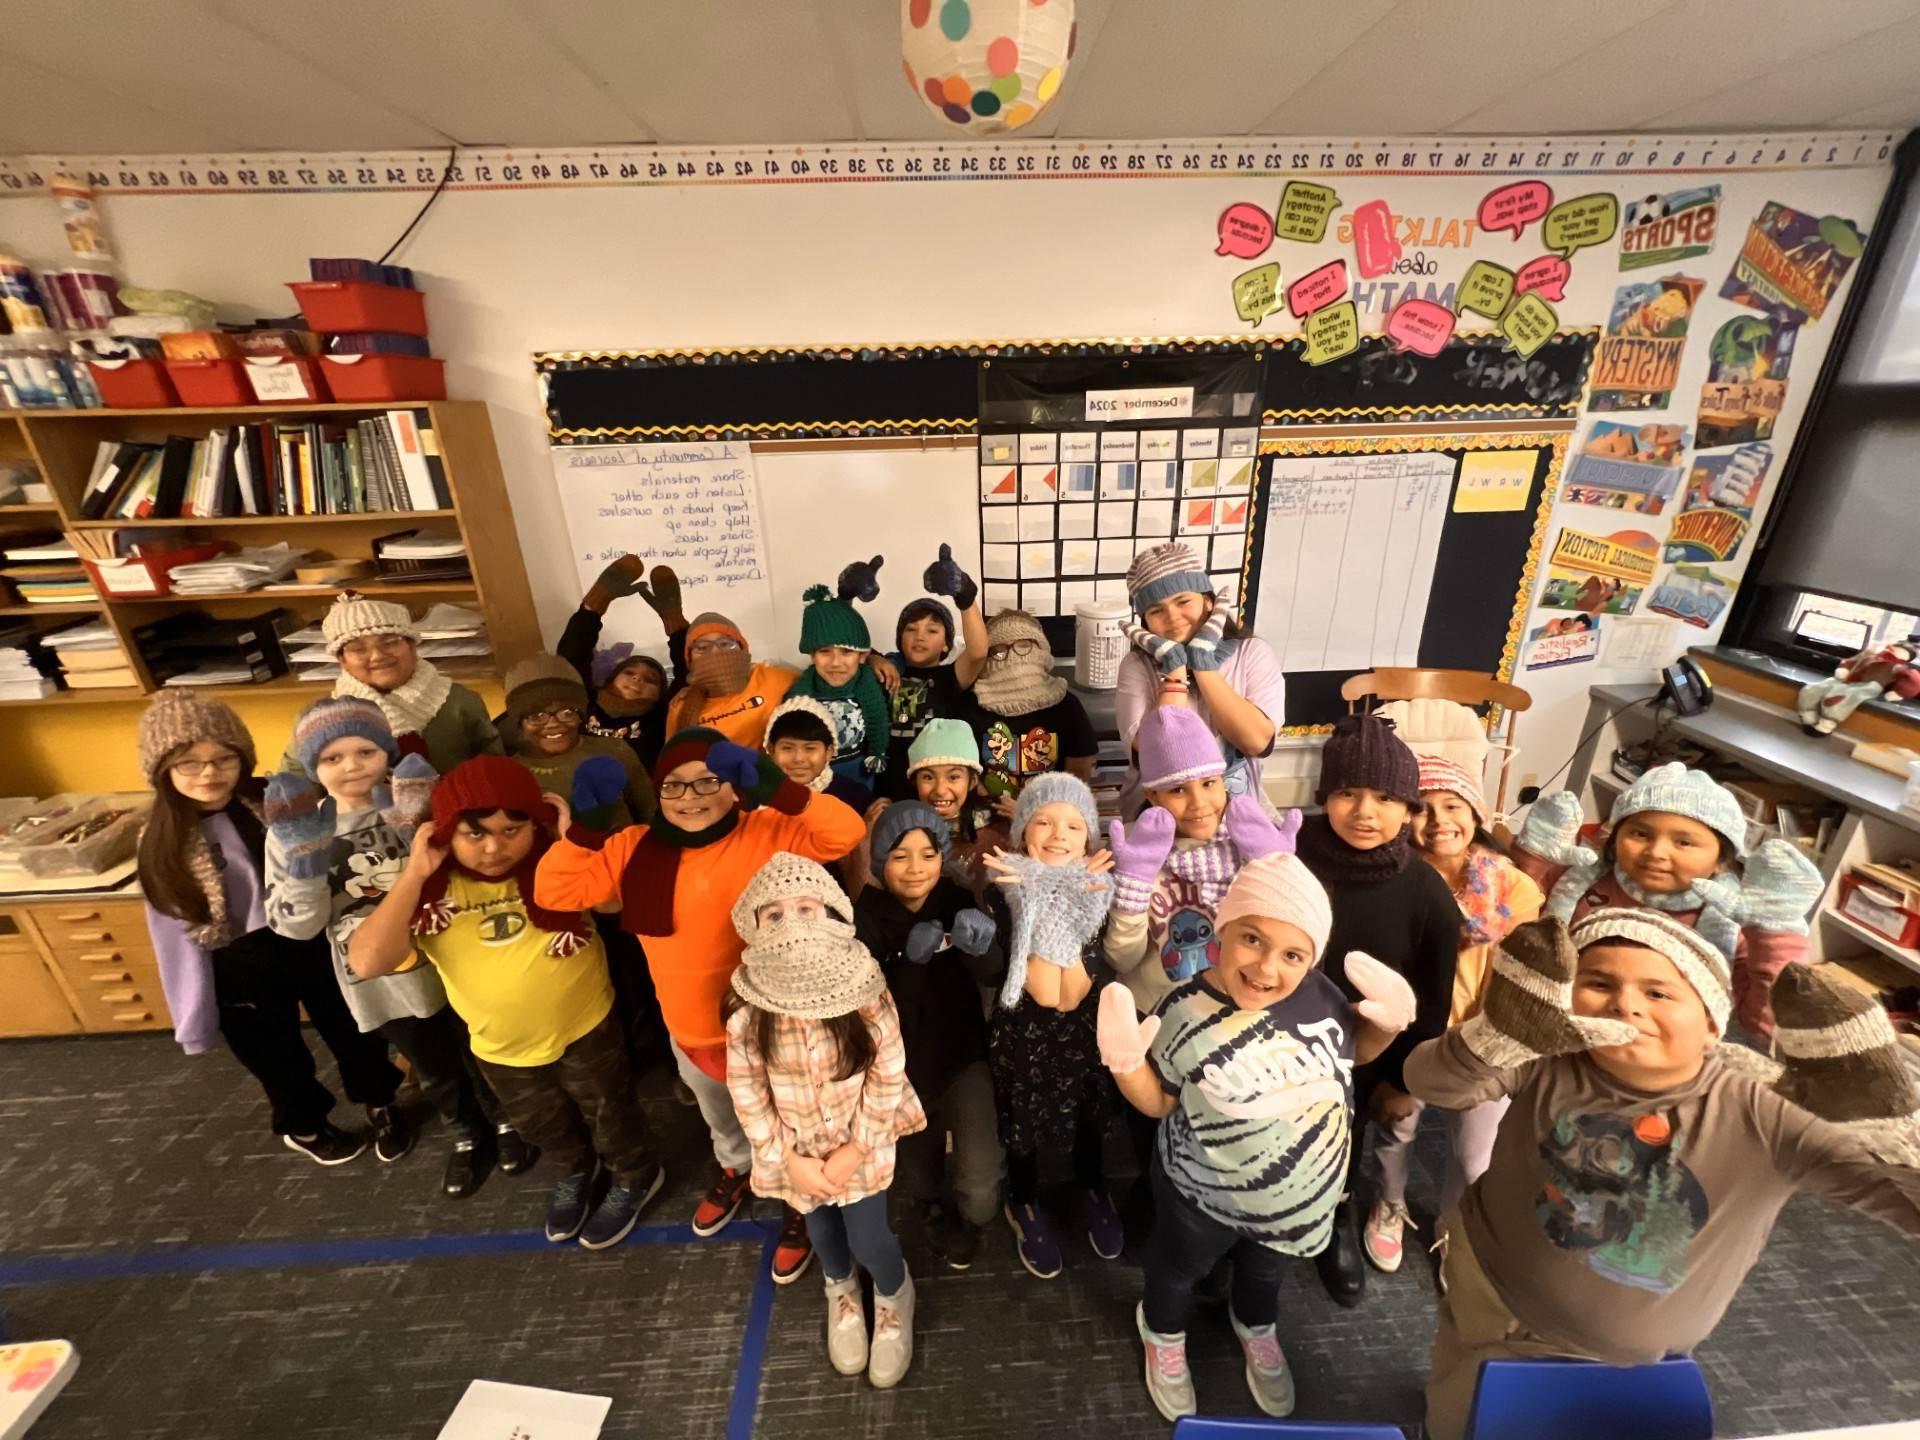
(62, 444)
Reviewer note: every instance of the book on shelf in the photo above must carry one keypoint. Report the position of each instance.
(117, 678)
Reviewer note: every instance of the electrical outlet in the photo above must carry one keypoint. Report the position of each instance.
(1532, 777)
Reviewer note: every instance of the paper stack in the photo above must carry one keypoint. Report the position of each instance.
(307, 656)
(91, 656)
(452, 636)
(422, 555)
(22, 676)
(246, 569)
(45, 570)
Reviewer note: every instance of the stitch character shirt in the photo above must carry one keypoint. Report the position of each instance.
(1259, 1137)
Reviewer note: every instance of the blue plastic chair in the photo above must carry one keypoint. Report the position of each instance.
(1527, 1399)
(1200, 1427)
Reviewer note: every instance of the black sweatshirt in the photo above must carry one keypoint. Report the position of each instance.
(942, 1024)
(645, 733)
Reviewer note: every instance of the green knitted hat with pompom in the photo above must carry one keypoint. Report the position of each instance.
(828, 621)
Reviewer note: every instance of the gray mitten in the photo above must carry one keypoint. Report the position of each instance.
(972, 932)
(922, 940)
(1552, 830)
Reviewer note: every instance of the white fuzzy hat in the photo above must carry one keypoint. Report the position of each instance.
(1279, 887)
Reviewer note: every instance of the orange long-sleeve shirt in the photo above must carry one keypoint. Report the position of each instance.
(691, 967)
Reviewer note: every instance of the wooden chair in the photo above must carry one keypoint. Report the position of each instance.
(1492, 699)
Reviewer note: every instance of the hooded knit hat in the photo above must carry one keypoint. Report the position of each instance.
(1055, 787)
(1437, 772)
(1673, 789)
(537, 683)
(1279, 887)
(178, 718)
(1363, 753)
(1016, 684)
(810, 969)
(925, 608)
(326, 721)
(353, 616)
(1176, 746)
(829, 620)
(1170, 569)
(944, 741)
(1699, 963)
(904, 816)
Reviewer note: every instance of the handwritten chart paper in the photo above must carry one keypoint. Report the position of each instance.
(1349, 557)
(695, 507)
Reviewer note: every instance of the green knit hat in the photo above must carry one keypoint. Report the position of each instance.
(830, 622)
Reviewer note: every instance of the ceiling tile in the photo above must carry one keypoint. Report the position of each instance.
(38, 117)
(1880, 68)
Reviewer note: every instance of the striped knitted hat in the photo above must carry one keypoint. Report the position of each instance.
(1699, 963)
(326, 721)
(1437, 772)
(1170, 569)
(712, 622)
(1176, 746)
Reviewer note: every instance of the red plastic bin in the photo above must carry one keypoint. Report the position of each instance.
(355, 307)
(133, 384)
(385, 377)
(284, 379)
(211, 382)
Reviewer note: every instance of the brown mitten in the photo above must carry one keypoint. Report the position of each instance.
(664, 596)
(1841, 1061)
(625, 576)
(1529, 1000)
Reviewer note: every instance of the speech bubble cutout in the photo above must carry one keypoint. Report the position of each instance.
(1514, 207)
(1256, 292)
(1304, 211)
(1332, 332)
(1317, 288)
(1548, 276)
(1422, 326)
(1529, 324)
(1486, 290)
(1575, 224)
(1245, 231)
(1375, 245)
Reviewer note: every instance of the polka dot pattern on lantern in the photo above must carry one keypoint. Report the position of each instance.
(985, 103)
(956, 18)
(918, 11)
(1003, 57)
(1007, 87)
(956, 113)
(955, 90)
(936, 93)
(1049, 83)
(1018, 115)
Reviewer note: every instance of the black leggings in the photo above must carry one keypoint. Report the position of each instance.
(1089, 1164)
(1187, 1243)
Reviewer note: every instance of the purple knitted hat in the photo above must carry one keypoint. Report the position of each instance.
(1176, 746)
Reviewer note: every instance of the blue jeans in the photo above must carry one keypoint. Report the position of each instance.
(842, 1234)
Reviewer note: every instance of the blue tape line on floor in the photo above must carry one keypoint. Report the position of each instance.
(753, 1346)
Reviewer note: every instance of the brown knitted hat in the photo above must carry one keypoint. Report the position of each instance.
(537, 682)
(1363, 753)
(176, 719)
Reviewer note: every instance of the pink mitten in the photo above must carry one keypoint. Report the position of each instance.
(1124, 1038)
(1386, 999)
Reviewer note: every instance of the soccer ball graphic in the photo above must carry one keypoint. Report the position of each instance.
(1650, 211)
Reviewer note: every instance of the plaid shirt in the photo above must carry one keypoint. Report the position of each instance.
(790, 1099)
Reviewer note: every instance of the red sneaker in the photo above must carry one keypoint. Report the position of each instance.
(794, 1252)
(721, 1203)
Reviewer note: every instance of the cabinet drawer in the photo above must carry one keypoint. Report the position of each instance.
(16, 937)
(136, 1006)
(108, 966)
(72, 928)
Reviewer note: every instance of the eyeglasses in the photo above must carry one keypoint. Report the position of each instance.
(712, 645)
(361, 649)
(565, 715)
(188, 769)
(1022, 648)
(674, 789)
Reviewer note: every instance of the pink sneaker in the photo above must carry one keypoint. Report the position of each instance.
(1386, 1223)
(1267, 1374)
(1169, 1381)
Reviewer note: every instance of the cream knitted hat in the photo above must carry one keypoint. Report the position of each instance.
(1699, 963)
(809, 969)
(787, 876)
(1279, 887)
(354, 616)
(1675, 790)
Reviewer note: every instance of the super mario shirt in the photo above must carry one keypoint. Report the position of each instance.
(1259, 1137)
(1015, 748)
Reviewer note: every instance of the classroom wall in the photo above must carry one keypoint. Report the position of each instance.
(513, 271)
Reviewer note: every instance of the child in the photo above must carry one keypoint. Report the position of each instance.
(943, 764)
(1494, 895)
(937, 953)
(1049, 902)
(1387, 905)
(1674, 837)
(226, 975)
(1028, 723)
(725, 690)
(834, 636)
(929, 686)
(1637, 1174)
(630, 690)
(379, 653)
(1251, 1064)
(801, 740)
(724, 811)
(818, 1078)
(531, 985)
(543, 728)
(328, 865)
(1182, 649)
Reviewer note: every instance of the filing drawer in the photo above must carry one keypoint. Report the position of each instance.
(134, 1005)
(107, 965)
(16, 937)
(79, 925)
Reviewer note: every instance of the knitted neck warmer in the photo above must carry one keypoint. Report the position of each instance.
(721, 672)
(1716, 927)
(1481, 897)
(809, 969)
(408, 707)
(1331, 859)
(646, 890)
(1056, 910)
(1211, 863)
(1019, 685)
(207, 865)
(571, 932)
(864, 689)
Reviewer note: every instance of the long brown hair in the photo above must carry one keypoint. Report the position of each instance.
(852, 1041)
(165, 844)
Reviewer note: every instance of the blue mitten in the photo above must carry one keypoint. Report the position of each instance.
(1168, 656)
(1253, 832)
(945, 577)
(1779, 886)
(598, 784)
(300, 819)
(861, 580)
(752, 774)
(972, 932)
(923, 939)
(1552, 830)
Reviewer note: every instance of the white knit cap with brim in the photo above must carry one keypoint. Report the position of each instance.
(1673, 789)
(809, 969)
(354, 617)
(1699, 963)
(1279, 887)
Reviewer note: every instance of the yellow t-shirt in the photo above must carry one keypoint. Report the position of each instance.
(522, 1005)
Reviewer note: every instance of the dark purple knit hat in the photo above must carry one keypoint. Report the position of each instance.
(1363, 753)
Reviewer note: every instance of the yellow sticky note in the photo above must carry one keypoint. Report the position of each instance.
(1492, 480)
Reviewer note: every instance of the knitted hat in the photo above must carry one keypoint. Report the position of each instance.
(178, 718)
(1055, 787)
(1363, 753)
(712, 622)
(1279, 887)
(1170, 569)
(925, 608)
(326, 721)
(611, 660)
(1437, 772)
(799, 705)
(536, 683)
(1673, 789)
(1699, 963)
(353, 617)
(828, 620)
(904, 816)
(682, 747)
(1176, 746)
(810, 969)
(944, 741)
(1016, 684)
(489, 783)
(1842, 1062)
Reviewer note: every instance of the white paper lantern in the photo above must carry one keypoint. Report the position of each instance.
(988, 66)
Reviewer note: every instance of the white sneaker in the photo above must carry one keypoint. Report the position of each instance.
(1383, 1236)
(1169, 1382)
(1267, 1374)
(846, 1325)
(892, 1337)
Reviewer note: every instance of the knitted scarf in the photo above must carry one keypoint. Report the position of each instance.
(1334, 861)
(1716, 927)
(1056, 910)
(646, 889)
(408, 707)
(570, 932)
(1019, 685)
(207, 865)
(866, 690)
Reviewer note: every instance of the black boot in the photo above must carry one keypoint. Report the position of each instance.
(1342, 1270)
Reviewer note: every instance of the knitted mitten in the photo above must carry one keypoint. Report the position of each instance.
(923, 939)
(752, 774)
(1529, 994)
(1779, 886)
(300, 818)
(972, 932)
(1842, 1062)
(1386, 999)
(1139, 855)
(945, 577)
(664, 596)
(1124, 1038)
(861, 580)
(1208, 647)
(1253, 832)
(1552, 830)
(598, 784)
(1168, 656)
(625, 576)
(412, 785)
